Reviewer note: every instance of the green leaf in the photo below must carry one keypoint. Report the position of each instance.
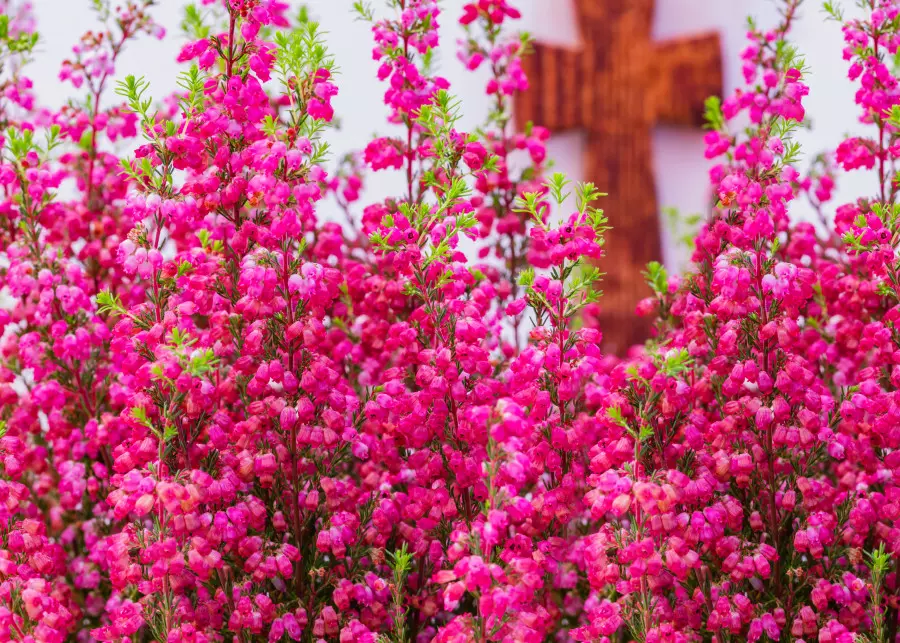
(139, 413)
(676, 362)
(833, 10)
(193, 24)
(109, 303)
(614, 413)
(713, 115)
(586, 194)
(557, 185)
(169, 433)
(202, 362)
(879, 560)
(526, 277)
(657, 277)
(364, 11)
(270, 127)
(132, 89)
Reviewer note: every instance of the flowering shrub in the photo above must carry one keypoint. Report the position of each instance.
(227, 418)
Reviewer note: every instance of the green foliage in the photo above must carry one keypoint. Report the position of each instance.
(22, 43)
(579, 279)
(102, 8)
(833, 11)
(879, 563)
(301, 51)
(639, 435)
(193, 24)
(657, 277)
(530, 204)
(675, 362)
(203, 237)
(400, 562)
(140, 414)
(191, 82)
(894, 115)
(108, 303)
(438, 119)
(363, 11)
(557, 185)
(526, 277)
(585, 195)
(133, 89)
(713, 115)
(202, 362)
(615, 414)
(785, 129)
(20, 142)
(168, 433)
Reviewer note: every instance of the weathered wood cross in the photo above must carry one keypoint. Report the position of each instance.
(617, 87)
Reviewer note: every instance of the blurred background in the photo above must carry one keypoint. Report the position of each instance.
(678, 153)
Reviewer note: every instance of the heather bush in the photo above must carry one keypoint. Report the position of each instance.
(227, 417)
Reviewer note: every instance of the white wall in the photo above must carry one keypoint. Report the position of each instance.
(681, 169)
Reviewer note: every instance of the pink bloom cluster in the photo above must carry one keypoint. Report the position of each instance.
(745, 485)
(224, 417)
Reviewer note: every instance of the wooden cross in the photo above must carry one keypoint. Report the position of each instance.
(617, 87)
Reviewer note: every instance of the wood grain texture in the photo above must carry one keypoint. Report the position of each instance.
(617, 86)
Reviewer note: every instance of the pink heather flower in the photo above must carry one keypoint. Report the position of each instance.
(225, 416)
